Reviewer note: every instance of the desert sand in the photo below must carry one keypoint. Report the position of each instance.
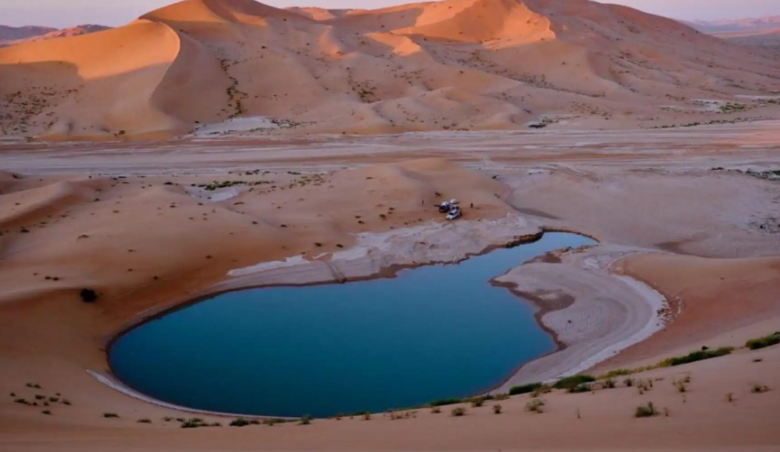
(124, 222)
(214, 145)
(452, 65)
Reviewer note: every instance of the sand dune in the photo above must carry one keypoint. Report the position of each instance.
(452, 65)
(42, 34)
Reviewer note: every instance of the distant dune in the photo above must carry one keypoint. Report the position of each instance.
(452, 65)
(734, 25)
(32, 34)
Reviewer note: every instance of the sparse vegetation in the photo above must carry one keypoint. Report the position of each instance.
(758, 388)
(459, 411)
(477, 402)
(110, 415)
(497, 408)
(535, 406)
(47, 412)
(524, 389)
(698, 355)
(239, 422)
(144, 421)
(573, 381)
(646, 410)
(763, 342)
(501, 396)
(305, 420)
(435, 410)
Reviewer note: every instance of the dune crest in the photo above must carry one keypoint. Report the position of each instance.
(451, 65)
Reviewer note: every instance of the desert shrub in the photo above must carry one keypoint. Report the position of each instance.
(22, 402)
(47, 412)
(535, 406)
(628, 382)
(698, 355)
(573, 381)
(435, 410)
(191, 423)
(501, 396)
(524, 389)
(477, 402)
(305, 420)
(459, 411)
(497, 408)
(646, 410)
(763, 342)
(144, 421)
(609, 383)
(580, 388)
(54, 399)
(758, 388)
(239, 422)
(167, 419)
(367, 417)
(110, 415)
(88, 295)
(66, 402)
(543, 389)
(616, 373)
(443, 402)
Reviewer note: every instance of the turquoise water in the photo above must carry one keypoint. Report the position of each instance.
(431, 333)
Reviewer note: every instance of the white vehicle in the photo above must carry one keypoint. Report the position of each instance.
(446, 206)
(454, 214)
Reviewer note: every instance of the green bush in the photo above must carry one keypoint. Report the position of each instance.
(239, 422)
(698, 355)
(573, 381)
(524, 389)
(763, 342)
(444, 402)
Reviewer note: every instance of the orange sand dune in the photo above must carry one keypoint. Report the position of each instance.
(452, 65)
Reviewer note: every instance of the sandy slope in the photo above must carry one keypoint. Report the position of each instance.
(457, 64)
(42, 33)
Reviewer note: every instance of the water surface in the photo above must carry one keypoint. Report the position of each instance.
(433, 332)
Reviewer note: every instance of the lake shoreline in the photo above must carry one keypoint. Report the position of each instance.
(314, 277)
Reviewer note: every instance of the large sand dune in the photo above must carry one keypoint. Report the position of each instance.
(457, 64)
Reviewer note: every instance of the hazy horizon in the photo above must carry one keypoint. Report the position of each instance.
(53, 13)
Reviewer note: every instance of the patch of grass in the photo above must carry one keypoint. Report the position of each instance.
(167, 419)
(573, 381)
(616, 373)
(763, 342)
(524, 389)
(646, 410)
(501, 396)
(459, 411)
(477, 402)
(543, 389)
(239, 422)
(698, 355)
(609, 383)
(628, 382)
(305, 420)
(110, 415)
(497, 408)
(144, 421)
(535, 406)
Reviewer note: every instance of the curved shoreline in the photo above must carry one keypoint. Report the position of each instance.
(390, 271)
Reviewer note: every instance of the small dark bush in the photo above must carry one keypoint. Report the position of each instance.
(524, 389)
(609, 383)
(501, 396)
(305, 420)
(535, 406)
(460, 411)
(573, 381)
(646, 410)
(697, 356)
(763, 342)
(497, 408)
(88, 295)
(66, 402)
(580, 388)
(144, 421)
(435, 410)
(239, 422)
(47, 412)
(477, 402)
(110, 415)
